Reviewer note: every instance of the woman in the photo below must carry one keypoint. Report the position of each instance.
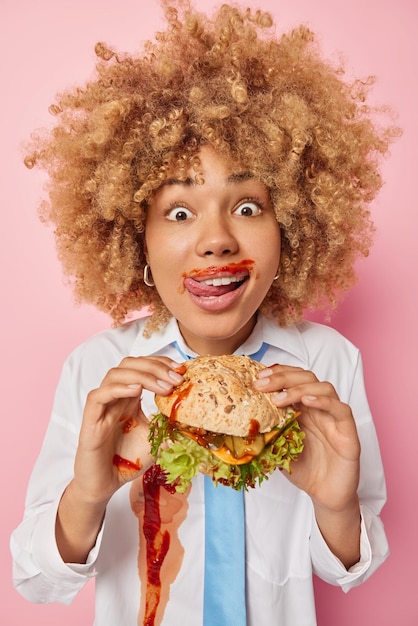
(221, 179)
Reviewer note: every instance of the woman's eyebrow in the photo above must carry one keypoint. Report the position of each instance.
(239, 177)
(176, 181)
(190, 182)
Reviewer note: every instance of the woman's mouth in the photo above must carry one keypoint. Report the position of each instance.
(216, 289)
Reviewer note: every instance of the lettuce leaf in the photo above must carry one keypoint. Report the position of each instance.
(181, 458)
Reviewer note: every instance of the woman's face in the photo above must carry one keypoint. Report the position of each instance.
(214, 250)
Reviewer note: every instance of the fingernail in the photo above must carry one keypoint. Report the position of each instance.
(261, 382)
(177, 378)
(133, 386)
(164, 385)
(265, 373)
(278, 397)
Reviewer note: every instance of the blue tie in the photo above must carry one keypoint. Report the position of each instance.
(224, 583)
(224, 592)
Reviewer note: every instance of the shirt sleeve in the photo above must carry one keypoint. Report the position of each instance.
(374, 547)
(373, 552)
(39, 573)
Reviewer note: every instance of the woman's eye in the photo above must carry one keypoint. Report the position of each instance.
(248, 209)
(178, 214)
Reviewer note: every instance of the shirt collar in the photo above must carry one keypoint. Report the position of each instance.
(288, 339)
(158, 340)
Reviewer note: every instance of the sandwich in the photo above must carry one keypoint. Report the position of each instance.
(215, 422)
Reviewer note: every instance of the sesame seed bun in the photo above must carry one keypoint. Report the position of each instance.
(218, 395)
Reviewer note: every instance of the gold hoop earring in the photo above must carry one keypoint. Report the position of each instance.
(148, 280)
(277, 276)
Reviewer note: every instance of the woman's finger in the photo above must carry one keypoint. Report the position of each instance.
(156, 375)
(295, 394)
(278, 377)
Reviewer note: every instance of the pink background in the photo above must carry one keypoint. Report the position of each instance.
(48, 45)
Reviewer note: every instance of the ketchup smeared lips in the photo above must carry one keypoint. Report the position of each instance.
(217, 287)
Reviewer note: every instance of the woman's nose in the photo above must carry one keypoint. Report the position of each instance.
(216, 238)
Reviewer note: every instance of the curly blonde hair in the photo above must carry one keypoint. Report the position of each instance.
(270, 103)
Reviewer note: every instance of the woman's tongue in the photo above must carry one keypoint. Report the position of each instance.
(202, 289)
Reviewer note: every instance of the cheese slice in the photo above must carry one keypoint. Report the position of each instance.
(224, 454)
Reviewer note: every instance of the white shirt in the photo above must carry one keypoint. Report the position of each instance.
(283, 543)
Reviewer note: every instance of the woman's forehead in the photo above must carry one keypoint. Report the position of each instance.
(205, 160)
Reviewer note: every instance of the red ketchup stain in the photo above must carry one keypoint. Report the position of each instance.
(128, 426)
(231, 268)
(157, 541)
(122, 463)
(180, 394)
(160, 511)
(254, 428)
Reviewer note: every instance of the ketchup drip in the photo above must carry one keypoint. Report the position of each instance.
(160, 511)
(180, 394)
(254, 428)
(157, 541)
(120, 462)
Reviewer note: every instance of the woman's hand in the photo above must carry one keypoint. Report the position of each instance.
(113, 445)
(113, 449)
(328, 468)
